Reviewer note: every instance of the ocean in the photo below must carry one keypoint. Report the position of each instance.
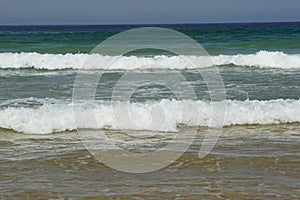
(44, 152)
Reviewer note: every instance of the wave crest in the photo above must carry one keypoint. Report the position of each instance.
(58, 117)
(262, 59)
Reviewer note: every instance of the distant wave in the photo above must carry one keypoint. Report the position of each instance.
(58, 116)
(261, 59)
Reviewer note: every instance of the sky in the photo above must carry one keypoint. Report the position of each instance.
(26, 12)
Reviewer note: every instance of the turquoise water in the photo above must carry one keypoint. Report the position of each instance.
(215, 38)
(257, 155)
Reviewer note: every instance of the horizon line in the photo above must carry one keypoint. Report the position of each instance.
(161, 23)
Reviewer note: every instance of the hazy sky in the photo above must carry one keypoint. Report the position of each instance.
(146, 11)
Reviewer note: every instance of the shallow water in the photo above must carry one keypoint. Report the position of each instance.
(247, 162)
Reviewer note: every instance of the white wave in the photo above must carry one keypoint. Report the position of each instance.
(263, 59)
(58, 117)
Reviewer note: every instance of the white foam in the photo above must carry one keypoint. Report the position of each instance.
(59, 116)
(263, 59)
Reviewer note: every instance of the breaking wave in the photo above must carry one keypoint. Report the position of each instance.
(58, 116)
(261, 59)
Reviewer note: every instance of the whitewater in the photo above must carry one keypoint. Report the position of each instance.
(261, 59)
(58, 116)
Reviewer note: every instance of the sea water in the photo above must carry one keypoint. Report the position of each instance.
(256, 156)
